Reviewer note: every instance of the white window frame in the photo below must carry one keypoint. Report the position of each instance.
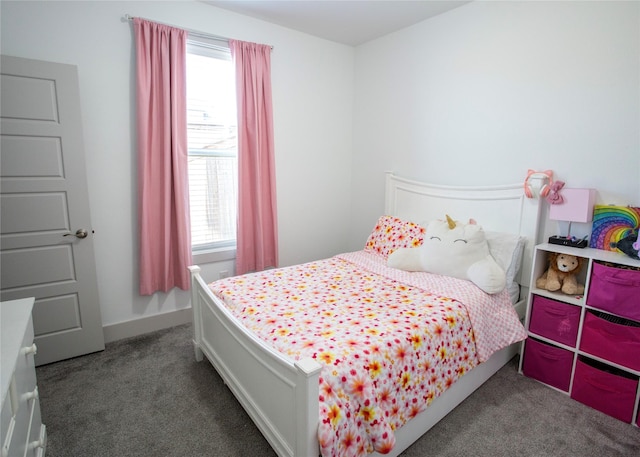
(224, 250)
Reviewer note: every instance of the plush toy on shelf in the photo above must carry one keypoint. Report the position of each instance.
(562, 274)
(629, 245)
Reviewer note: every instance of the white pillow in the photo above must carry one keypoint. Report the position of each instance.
(453, 249)
(507, 250)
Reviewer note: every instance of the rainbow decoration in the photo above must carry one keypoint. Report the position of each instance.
(611, 224)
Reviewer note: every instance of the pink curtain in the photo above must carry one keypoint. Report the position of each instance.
(257, 239)
(163, 194)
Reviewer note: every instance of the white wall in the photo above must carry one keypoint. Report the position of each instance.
(482, 93)
(313, 97)
(474, 96)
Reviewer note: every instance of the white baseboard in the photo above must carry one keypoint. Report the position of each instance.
(121, 330)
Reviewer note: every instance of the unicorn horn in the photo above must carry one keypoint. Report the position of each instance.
(451, 222)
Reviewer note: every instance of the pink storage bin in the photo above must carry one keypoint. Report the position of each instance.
(612, 341)
(554, 320)
(605, 391)
(547, 363)
(616, 290)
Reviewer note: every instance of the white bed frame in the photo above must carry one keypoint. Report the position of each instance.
(281, 395)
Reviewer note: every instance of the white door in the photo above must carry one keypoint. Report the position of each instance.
(46, 239)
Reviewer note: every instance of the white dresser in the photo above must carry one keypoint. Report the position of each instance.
(22, 432)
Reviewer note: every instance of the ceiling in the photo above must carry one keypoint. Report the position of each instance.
(351, 22)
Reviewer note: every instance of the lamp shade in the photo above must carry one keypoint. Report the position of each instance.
(577, 206)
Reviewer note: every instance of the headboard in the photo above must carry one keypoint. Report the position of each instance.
(502, 208)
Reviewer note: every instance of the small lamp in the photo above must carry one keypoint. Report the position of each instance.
(577, 206)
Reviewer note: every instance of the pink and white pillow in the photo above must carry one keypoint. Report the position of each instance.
(391, 233)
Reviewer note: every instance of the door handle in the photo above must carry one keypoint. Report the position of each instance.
(80, 233)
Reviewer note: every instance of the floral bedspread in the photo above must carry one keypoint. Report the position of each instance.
(388, 347)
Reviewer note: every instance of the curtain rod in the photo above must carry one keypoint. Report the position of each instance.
(196, 33)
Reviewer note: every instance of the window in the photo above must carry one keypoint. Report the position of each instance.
(212, 144)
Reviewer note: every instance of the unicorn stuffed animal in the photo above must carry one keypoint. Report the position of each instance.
(453, 249)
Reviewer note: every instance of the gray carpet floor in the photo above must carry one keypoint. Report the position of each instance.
(147, 396)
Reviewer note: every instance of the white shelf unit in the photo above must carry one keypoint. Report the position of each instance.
(586, 346)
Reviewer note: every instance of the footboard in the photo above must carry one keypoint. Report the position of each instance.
(280, 395)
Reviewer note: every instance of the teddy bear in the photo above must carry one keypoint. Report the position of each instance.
(562, 274)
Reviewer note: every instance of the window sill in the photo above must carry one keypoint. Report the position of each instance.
(214, 255)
